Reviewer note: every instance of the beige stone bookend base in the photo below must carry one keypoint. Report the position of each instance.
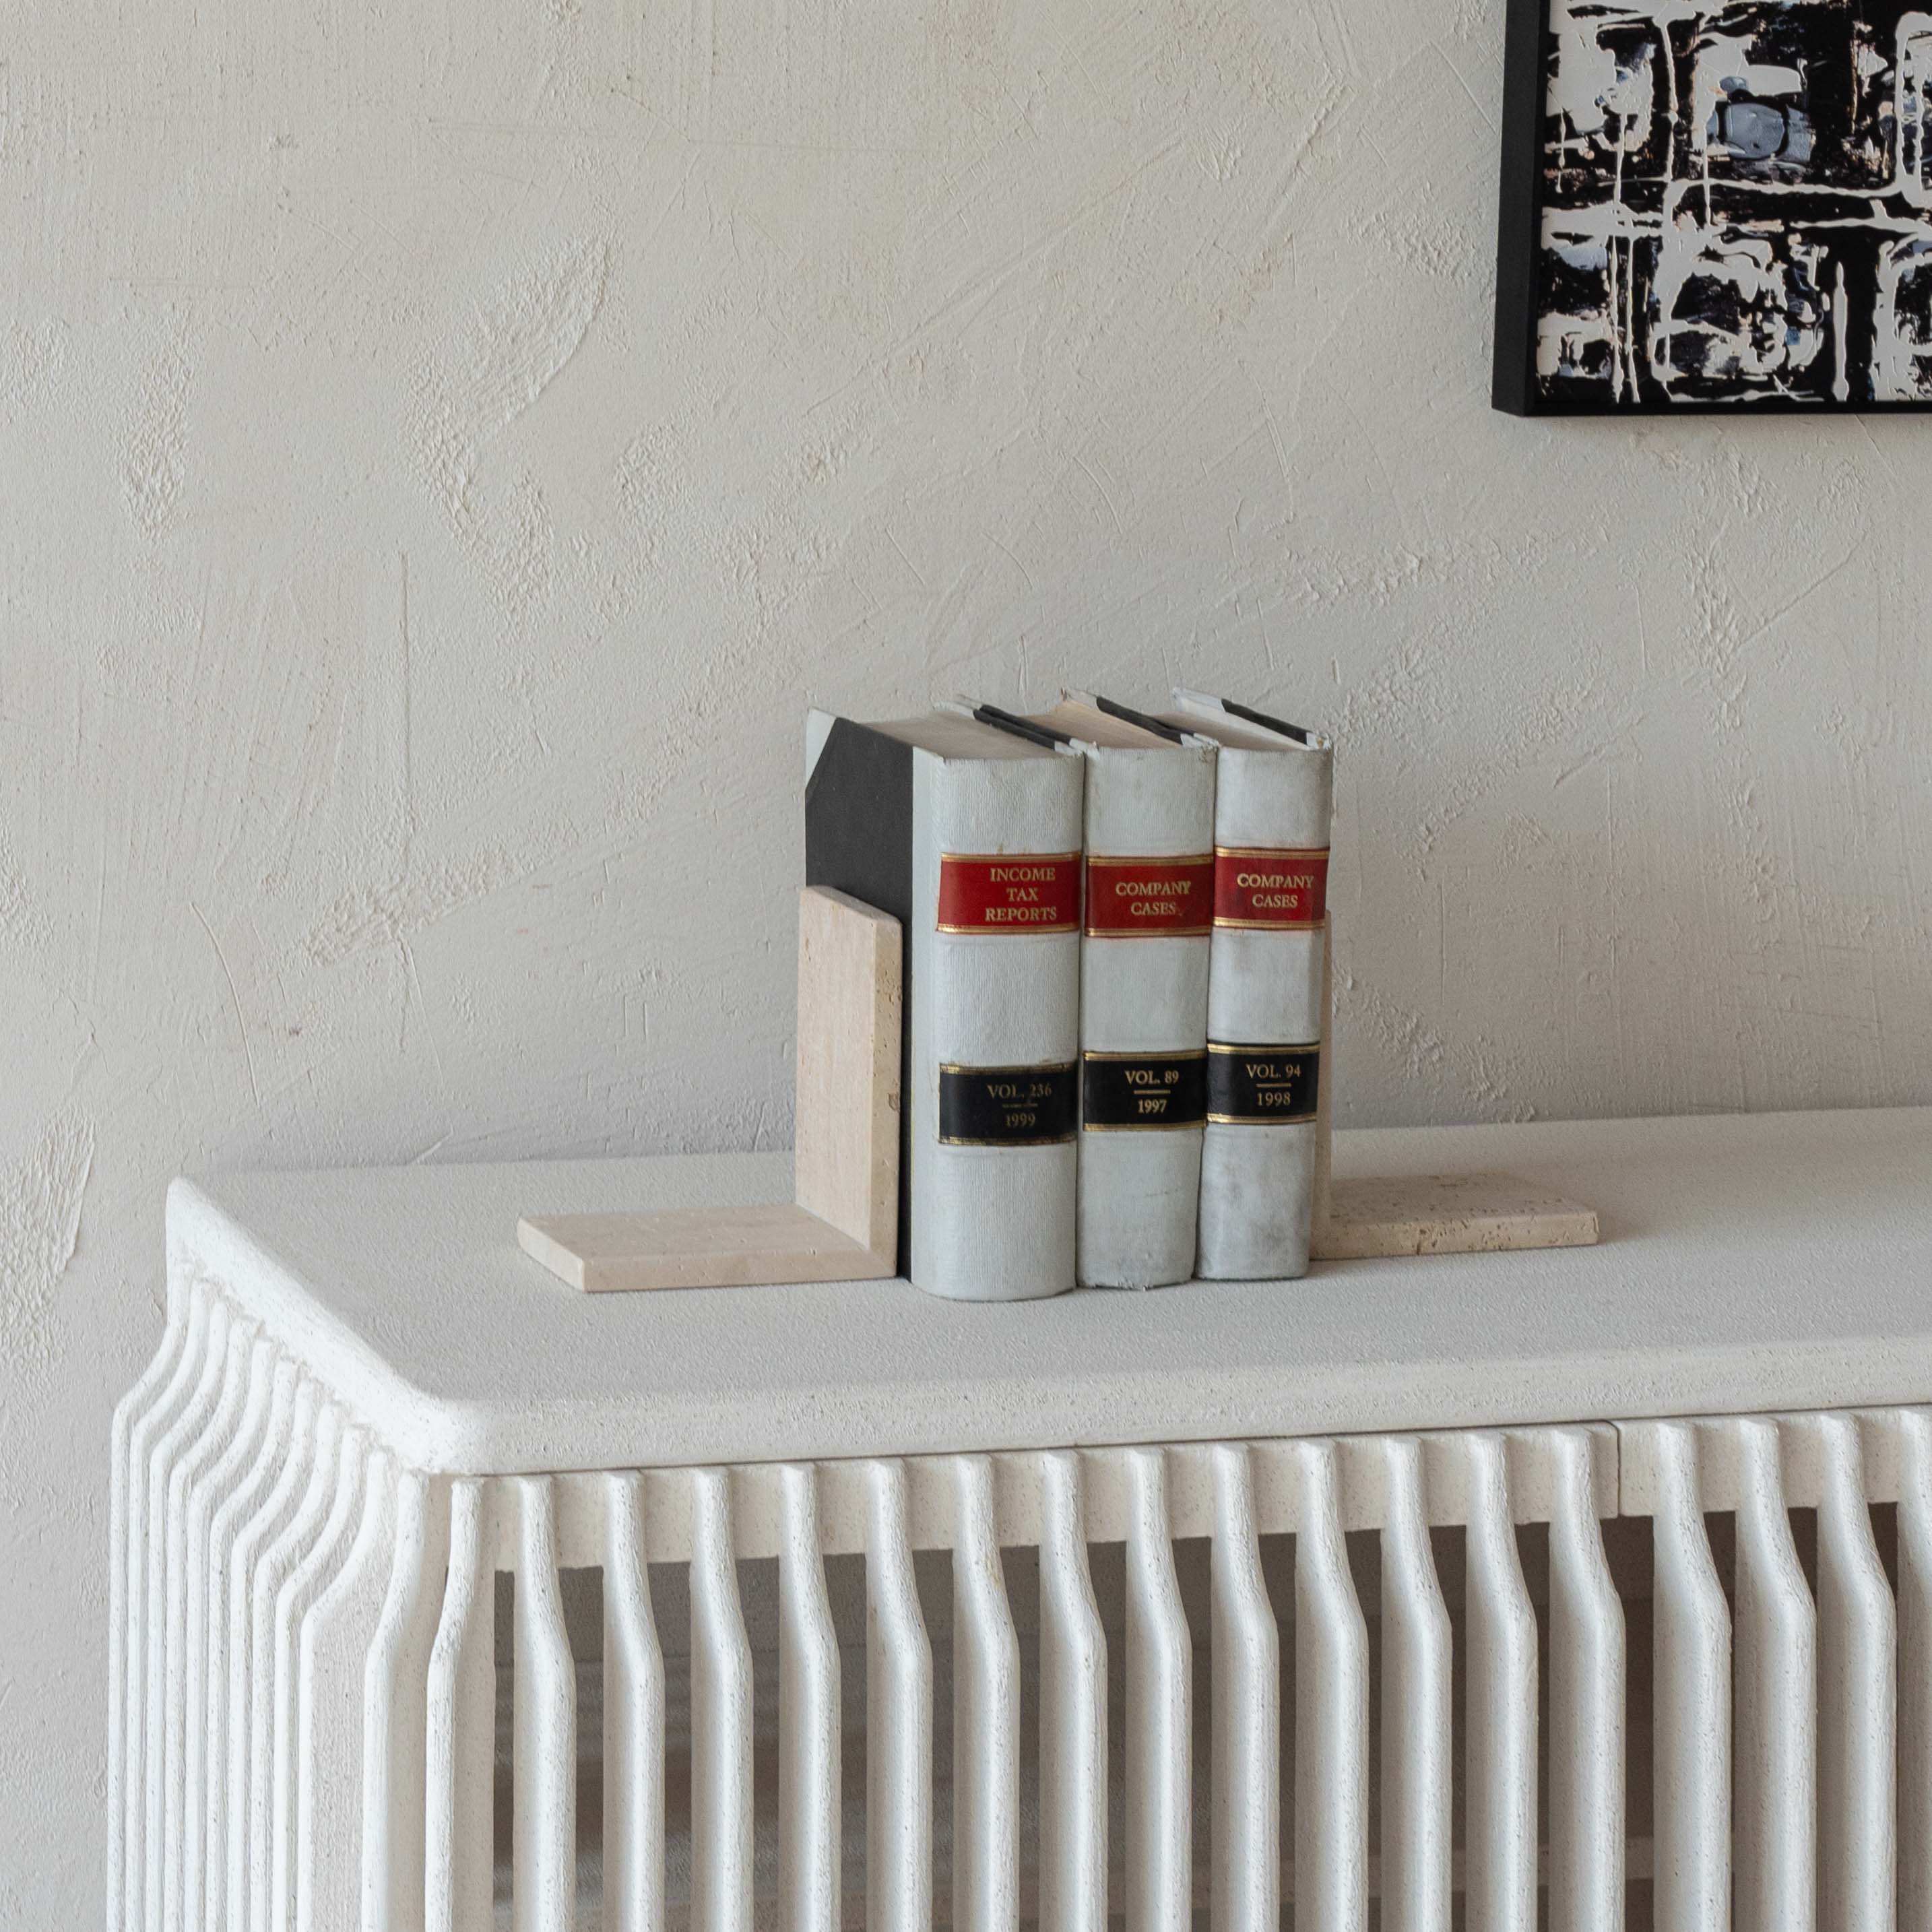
(842, 1222)
(1447, 1214)
(1428, 1213)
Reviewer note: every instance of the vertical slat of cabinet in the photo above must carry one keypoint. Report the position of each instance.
(1159, 1712)
(634, 1721)
(1586, 1695)
(211, 1531)
(136, 1419)
(316, 1570)
(809, 1776)
(333, 1644)
(395, 1709)
(460, 1744)
(1690, 1700)
(898, 1717)
(1914, 1670)
(1331, 1711)
(543, 1752)
(1245, 1883)
(1073, 1712)
(224, 1734)
(720, 1718)
(165, 1635)
(190, 1489)
(1774, 1686)
(1417, 1681)
(247, 1740)
(1501, 1772)
(278, 1564)
(986, 1714)
(1857, 1678)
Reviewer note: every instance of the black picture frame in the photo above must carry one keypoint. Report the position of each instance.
(1516, 387)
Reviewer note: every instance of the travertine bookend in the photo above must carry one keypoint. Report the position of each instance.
(842, 1223)
(1427, 1214)
(1446, 1214)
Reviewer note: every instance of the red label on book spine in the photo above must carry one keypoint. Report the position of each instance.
(1154, 899)
(1018, 891)
(1280, 887)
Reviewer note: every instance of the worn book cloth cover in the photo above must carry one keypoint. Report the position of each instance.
(970, 836)
(1150, 892)
(1273, 792)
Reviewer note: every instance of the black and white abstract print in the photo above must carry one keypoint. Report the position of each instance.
(1736, 206)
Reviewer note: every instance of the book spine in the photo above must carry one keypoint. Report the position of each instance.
(1265, 1018)
(994, 1024)
(1150, 891)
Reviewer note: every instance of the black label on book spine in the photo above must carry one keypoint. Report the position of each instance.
(1006, 1106)
(1261, 1086)
(1127, 1093)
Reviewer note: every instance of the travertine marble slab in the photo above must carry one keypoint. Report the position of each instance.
(1447, 1214)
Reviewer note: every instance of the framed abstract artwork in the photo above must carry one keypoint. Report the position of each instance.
(1727, 208)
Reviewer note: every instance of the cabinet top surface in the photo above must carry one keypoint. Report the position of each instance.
(1769, 1261)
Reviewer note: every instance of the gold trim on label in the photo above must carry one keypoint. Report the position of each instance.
(1256, 1046)
(1152, 1053)
(1022, 931)
(1056, 1140)
(1272, 851)
(1015, 932)
(1068, 921)
(1266, 925)
(1037, 1066)
(999, 858)
(1197, 922)
(1139, 1126)
(1256, 1120)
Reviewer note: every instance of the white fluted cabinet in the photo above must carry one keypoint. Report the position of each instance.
(444, 1595)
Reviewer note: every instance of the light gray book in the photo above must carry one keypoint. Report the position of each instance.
(1143, 960)
(970, 835)
(1272, 807)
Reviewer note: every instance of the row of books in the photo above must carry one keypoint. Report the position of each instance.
(1114, 983)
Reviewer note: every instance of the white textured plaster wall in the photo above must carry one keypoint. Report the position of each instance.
(441, 449)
